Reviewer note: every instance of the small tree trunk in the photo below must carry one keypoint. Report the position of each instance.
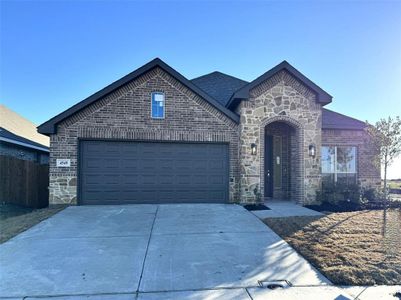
(385, 181)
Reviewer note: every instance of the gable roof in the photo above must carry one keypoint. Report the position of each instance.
(20, 126)
(220, 90)
(335, 120)
(219, 85)
(9, 137)
(243, 93)
(50, 127)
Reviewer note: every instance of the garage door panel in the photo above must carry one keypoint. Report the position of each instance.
(130, 150)
(165, 163)
(91, 179)
(166, 195)
(147, 195)
(182, 161)
(200, 164)
(166, 180)
(111, 151)
(213, 151)
(133, 179)
(130, 163)
(92, 163)
(216, 165)
(148, 179)
(216, 180)
(141, 172)
(149, 166)
(183, 179)
(111, 179)
(201, 179)
(98, 197)
(111, 163)
(93, 149)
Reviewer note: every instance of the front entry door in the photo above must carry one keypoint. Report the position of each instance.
(269, 166)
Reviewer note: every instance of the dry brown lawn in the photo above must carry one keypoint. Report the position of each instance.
(351, 248)
(16, 220)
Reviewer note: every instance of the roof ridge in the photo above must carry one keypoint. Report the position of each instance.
(243, 93)
(219, 72)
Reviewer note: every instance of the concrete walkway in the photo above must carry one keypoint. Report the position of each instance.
(126, 251)
(280, 209)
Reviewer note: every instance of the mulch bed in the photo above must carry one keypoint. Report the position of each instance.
(256, 207)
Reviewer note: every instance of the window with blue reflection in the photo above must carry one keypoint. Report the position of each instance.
(158, 105)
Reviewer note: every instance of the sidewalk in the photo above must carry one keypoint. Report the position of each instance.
(255, 293)
(280, 209)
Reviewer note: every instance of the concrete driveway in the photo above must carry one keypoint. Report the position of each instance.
(143, 250)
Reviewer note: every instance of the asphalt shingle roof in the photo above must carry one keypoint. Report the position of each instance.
(219, 86)
(218, 89)
(21, 126)
(334, 120)
(4, 133)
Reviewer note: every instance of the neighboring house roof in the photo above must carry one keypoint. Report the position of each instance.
(334, 120)
(243, 93)
(219, 85)
(9, 137)
(20, 126)
(50, 127)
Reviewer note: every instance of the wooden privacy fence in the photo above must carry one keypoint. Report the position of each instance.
(23, 182)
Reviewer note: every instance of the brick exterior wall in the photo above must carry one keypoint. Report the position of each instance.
(367, 165)
(125, 114)
(282, 98)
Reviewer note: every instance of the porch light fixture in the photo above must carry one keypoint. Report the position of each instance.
(253, 149)
(312, 151)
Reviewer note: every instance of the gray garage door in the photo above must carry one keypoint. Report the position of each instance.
(141, 172)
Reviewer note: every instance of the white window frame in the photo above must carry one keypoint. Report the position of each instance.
(336, 172)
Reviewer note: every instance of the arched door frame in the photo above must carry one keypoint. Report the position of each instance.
(297, 191)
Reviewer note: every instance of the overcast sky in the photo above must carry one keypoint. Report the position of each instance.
(54, 54)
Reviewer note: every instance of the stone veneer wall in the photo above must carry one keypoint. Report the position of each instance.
(125, 114)
(368, 167)
(281, 98)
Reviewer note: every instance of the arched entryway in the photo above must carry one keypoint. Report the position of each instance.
(282, 159)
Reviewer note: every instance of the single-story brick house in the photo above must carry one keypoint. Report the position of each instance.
(154, 136)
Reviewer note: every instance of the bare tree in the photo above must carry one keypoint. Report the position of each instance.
(386, 137)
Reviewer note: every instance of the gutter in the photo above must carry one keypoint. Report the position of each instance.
(24, 144)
